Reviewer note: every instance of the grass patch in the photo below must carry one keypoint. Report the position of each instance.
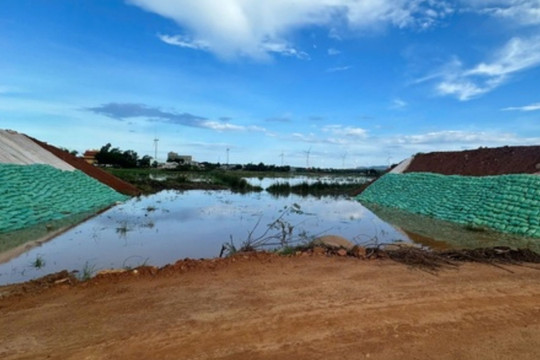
(126, 266)
(234, 182)
(39, 262)
(87, 271)
(123, 229)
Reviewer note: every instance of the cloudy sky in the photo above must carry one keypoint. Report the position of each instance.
(352, 82)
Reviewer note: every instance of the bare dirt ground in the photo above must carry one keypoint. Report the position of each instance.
(268, 307)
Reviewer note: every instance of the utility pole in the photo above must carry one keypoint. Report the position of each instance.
(155, 148)
(307, 158)
(228, 155)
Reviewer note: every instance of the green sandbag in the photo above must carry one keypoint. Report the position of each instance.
(508, 203)
(32, 194)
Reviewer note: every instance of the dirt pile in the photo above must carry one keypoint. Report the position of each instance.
(480, 162)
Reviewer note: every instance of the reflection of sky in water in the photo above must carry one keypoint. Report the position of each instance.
(266, 182)
(168, 226)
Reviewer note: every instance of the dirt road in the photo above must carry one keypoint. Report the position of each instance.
(268, 307)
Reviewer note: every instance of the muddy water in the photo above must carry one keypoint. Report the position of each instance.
(165, 227)
(168, 226)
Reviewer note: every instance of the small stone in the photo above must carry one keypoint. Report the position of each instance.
(135, 272)
(333, 241)
(317, 250)
(342, 252)
(359, 252)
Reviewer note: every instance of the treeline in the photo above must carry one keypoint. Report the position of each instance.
(110, 156)
(262, 167)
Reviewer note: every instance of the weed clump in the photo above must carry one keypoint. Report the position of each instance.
(39, 262)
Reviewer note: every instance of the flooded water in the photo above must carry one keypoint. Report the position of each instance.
(267, 182)
(165, 227)
(162, 228)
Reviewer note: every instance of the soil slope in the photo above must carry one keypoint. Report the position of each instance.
(268, 307)
(90, 170)
(480, 162)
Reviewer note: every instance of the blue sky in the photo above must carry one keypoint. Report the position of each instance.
(352, 82)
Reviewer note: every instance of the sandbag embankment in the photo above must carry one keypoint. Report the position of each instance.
(90, 170)
(34, 194)
(506, 203)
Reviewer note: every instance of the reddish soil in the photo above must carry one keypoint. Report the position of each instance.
(90, 170)
(263, 306)
(480, 162)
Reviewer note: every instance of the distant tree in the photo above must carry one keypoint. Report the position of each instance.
(129, 159)
(103, 156)
(145, 161)
(115, 157)
(72, 152)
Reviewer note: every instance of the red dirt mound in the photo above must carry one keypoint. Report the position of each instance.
(90, 170)
(480, 162)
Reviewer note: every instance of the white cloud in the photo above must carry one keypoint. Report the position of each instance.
(267, 47)
(348, 131)
(399, 104)
(257, 28)
(221, 127)
(334, 34)
(449, 136)
(218, 126)
(362, 145)
(333, 52)
(455, 138)
(184, 41)
(284, 49)
(531, 107)
(339, 68)
(516, 55)
(523, 12)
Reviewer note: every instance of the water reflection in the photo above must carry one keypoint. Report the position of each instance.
(266, 182)
(167, 226)
(439, 234)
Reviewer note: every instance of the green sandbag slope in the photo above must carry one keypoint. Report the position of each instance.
(33, 194)
(506, 203)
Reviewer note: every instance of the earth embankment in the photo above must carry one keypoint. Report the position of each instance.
(479, 162)
(269, 307)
